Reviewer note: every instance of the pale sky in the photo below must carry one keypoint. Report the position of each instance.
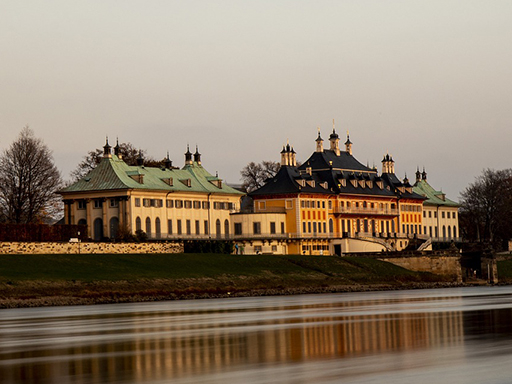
(429, 82)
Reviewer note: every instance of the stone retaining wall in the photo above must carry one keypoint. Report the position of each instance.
(75, 248)
(445, 262)
(440, 265)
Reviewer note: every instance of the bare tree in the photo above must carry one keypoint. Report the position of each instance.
(255, 175)
(29, 180)
(93, 158)
(486, 208)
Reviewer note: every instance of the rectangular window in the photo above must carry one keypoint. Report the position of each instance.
(442, 215)
(238, 228)
(81, 204)
(188, 204)
(205, 205)
(197, 204)
(178, 203)
(198, 228)
(302, 204)
(169, 203)
(257, 248)
(325, 227)
(323, 204)
(256, 226)
(330, 204)
(137, 201)
(282, 227)
(304, 226)
(289, 204)
(97, 204)
(274, 248)
(179, 226)
(424, 214)
(206, 227)
(146, 202)
(169, 227)
(435, 216)
(189, 229)
(309, 226)
(272, 228)
(114, 203)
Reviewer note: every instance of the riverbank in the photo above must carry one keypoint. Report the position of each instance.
(50, 280)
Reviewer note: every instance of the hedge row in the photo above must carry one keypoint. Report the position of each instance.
(41, 232)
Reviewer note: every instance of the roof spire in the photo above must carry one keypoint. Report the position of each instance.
(348, 144)
(106, 149)
(319, 142)
(197, 156)
(188, 156)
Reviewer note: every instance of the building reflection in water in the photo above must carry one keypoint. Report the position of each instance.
(164, 345)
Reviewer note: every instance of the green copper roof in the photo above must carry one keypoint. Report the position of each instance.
(114, 173)
(434, 197)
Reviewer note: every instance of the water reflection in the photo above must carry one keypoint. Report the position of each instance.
(203, 340)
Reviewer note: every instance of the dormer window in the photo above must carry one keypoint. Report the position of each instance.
(168, 181)
(311, 183)
(187, 182)
(301, 182)
(354, 182)
(138, 178)
(380, 184)
(217, 183)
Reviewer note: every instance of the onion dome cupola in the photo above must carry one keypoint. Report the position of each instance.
(117, 150)
(168, 162)
(418, 174)
(197, 156)
(188, 156)
(106, 149)
(140, 159)
(348, 145)
(334, 139)
(319, 142)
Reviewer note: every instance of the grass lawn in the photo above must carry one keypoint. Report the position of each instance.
(114, 267)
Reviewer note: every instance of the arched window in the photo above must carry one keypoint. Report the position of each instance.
(82, 222)
(98, 229)
(444, 231)
(114, 227)
(331, 226)
(138, 224)
(158, 227)
(449, 231)
(226, 227)
(148, 226)
(217, 228)
(392, 227)
(454, 231)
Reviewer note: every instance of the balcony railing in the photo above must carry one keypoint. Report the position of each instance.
(296, 236)
(365, 211)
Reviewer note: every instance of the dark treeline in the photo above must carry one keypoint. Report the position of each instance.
(41, 232)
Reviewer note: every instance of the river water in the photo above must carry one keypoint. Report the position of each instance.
(460, 335)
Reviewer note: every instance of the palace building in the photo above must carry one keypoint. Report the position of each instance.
(165, 202)
(440, 214)
(331, 204)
